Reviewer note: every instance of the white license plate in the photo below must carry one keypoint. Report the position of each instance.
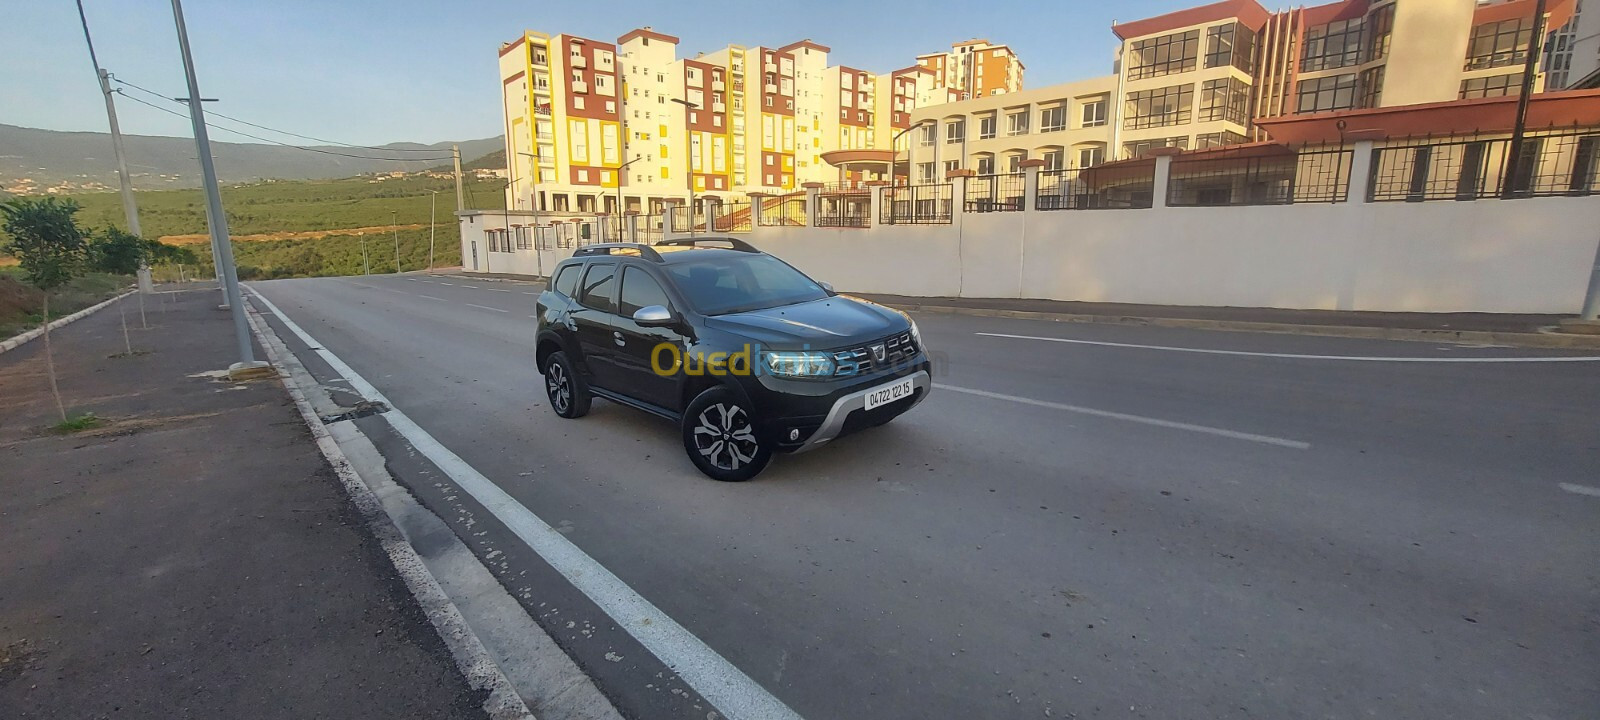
(898, 390)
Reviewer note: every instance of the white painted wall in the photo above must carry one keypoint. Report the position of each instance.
(1510, 256)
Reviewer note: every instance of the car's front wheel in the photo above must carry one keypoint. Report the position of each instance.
(719, 435)
(569, 395)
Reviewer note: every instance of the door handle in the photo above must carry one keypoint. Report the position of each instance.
(616, 336)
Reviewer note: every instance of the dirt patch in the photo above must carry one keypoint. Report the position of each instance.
(200, 238)
(17, 299)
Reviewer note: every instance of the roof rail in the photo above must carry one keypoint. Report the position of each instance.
(640, 249)
(734, 243)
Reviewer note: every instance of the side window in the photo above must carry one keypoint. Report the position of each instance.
(639, 290)
(567, 280)
(599, 287)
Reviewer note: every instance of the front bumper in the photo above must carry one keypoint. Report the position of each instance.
(835, 422)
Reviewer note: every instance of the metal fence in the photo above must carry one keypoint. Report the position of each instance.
(733, 217)
(1550, 164)
(1097, 188)
(1251, 177)
(845, 208)
(996, 193)
(784, 210)
(650, 227)
(916, 204)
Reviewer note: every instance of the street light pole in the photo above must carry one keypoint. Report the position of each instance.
(247, 364)
(130, 207)
(1535, 46)
(690, 106)
(395, 224)
(433, 209)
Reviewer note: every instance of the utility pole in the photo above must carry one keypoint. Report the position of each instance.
(366, 265)
(396, 225)
(433, 209)
(130, 208)
(247, 365)
(461, 194)
(1535, 46)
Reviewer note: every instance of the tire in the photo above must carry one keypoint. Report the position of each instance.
(719, 437)
(568, 393)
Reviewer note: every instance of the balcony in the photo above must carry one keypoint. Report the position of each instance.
(579, 86)
(717, 86)
(718, 108)
(578, 61)
(772, 89)
(771, 67)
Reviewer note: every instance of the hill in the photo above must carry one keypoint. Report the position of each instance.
(40, 159)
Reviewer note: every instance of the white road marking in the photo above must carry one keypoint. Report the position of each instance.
(497, 290)
(485, 307)
(1294, 356)
(441, 282)
(734, 693)
(529, 293)
(1220, 432)
(1581, 489)
(470, 287)
(430, 297)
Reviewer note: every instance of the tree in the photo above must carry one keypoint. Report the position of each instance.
(46, 241)
(118, 252)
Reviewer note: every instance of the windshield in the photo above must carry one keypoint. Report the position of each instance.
(724, 283)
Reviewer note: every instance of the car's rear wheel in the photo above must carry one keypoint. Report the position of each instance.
(569, 395)
(719, 435)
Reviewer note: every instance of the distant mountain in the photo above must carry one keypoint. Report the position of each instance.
(33, 160)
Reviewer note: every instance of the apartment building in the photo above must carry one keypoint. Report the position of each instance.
(1067, 125)
(563, 119)
(976, 69)
(1199, 77)
(1577, 48)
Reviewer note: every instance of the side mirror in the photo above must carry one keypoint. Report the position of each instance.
(654, 316)
(828, 287)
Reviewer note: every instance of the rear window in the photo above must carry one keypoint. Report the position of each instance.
(567, 279)
(598, 290)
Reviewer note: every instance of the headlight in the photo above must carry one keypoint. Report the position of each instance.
(799, 364)
(916, 334)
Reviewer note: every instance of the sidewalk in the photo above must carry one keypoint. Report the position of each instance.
(196, 556)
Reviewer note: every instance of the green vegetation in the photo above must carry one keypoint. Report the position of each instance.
(337, 254)
(21, 305)
(77, 423)
(298, 205)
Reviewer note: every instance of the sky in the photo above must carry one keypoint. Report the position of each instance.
(373, 71)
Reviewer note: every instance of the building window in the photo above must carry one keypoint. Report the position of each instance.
(955, 131)
(926, 135)
(951, 166)
(1017, 123)
(1164, 55)
(1094, 113)
(1371, 87)
(1052, 119)
(1226, 99)
(1014, 162)
(1499, 44)
(1159, 108)
(1206, 141)
(1091, 156)
(1335, 92)
(1492, 86)
(986, 127)
(1231, 44)
(985, 165)
(1380, 30)
(925, 172)
(1334, 45)
(1140, 148)
(1052, 159)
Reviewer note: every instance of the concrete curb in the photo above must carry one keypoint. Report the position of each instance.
(23, 338)
(1534, 340)
(474, 661)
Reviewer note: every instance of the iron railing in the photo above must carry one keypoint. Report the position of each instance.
(1246, 177)
(996, 193)
(1550, 165)
(916, 204)
(847, 208)
(733, 217)
(782, 210)
(1097, 188)
(650, 227)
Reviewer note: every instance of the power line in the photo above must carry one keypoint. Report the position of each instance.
(275, 142)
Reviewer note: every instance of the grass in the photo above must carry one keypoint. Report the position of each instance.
(77, 423)
(21, 305)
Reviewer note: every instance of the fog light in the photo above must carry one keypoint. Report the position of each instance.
(794, 434)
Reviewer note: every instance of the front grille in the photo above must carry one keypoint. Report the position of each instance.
(855, 361)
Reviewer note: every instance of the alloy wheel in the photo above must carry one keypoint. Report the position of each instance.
(724, 436)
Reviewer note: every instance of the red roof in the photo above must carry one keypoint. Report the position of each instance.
(1248, 12)
(647, 33)
(1335, 11)
(805, 43)
(1558, 12)
(1580, 108)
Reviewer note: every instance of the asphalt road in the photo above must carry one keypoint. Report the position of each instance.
(1111, 527)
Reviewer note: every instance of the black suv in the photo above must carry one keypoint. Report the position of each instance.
(745, 352)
